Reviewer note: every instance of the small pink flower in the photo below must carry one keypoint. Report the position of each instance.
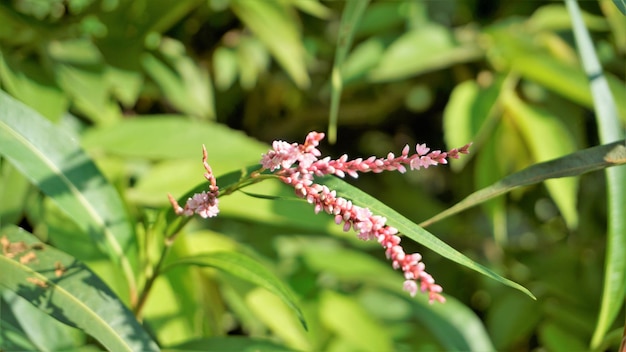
(205, 203)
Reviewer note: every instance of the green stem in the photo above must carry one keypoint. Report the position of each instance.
(174, 229)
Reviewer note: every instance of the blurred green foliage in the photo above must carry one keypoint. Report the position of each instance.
(143, 84)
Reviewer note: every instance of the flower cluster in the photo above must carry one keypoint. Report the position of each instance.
(298, 164)
(205, 203)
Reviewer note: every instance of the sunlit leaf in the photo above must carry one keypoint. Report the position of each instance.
(547, 138)
(67, 290)
(52, 160)
(413, 231)
(578, 163)
(427, 48)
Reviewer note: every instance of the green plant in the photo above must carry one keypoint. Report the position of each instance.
(105, 106)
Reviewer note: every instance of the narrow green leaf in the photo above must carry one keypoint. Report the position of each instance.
(246, 268)
(267, 19)
(54, 162)
(187, 86)
(349, 19)
(67, 290)
(578, 163)
(621, 5)
(413, 231)
(610, 129)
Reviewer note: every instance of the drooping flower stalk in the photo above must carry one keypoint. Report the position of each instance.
(298, 164)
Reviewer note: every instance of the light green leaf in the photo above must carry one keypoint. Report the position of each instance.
(349, 19)
(554, 17)
(547, 139)
(54, 162)
(173, 137)
(246, 268)
(67, 290)
(580, 162)
(427, 48)
(13, 191)
(413, 231)
(349, 320)
(224, 67)
(466, 116)
(277, 317)
(273, 24)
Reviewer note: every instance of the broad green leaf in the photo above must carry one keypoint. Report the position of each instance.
(547, 138)
(267, 19)
(246, 268)
(174, 137)
(350, 321)
(54, 162)
(580, 162)
(610, 129)
(424, 49)
(412, 230)
(349, 19)
(229, 344)
(67, 290)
